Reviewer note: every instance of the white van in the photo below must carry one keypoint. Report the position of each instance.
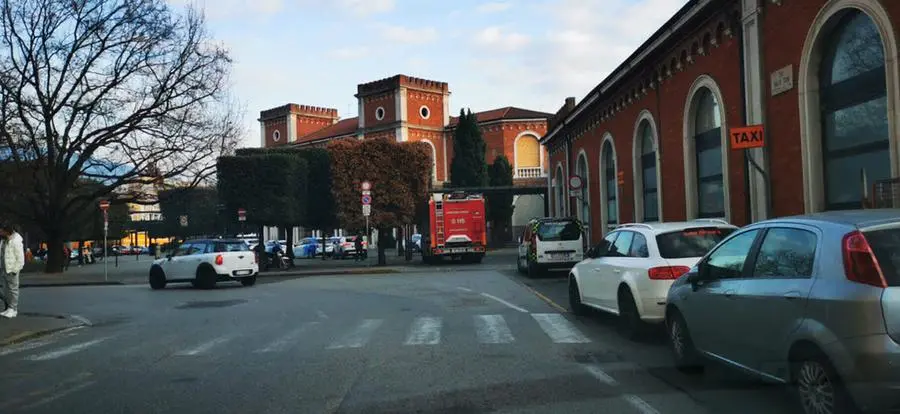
(550, 243)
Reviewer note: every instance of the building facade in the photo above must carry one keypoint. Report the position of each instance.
(652, 141)
(409, 109)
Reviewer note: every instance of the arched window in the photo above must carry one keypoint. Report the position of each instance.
(708, 155)
(649, 191)
(609, 188)
(560, 193)
(853, 99)
(584, 202)
(527, 156)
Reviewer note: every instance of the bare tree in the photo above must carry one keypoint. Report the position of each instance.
(118, 92)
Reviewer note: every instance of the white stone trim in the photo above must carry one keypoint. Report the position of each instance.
(383, 113)
(276, 136)
(446, 109)
(568, 174)
(262, 134)
(637, 168)
(291, 128)
(604, 213)
(446, 167)
(586, 184)
(400, 104)
(808, 91)
(690, 157)
(560, 205)
(537, 137)
(427, 109)
(361, 113)
(754, 107)
(433, 159)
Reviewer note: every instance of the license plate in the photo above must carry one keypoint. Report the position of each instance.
(459, 250)
(243, 272)
(559, 256)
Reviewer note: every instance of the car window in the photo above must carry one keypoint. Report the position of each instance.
(727, 261)
(639, 246)
(622, 245)
(231, 247)
(786, 252)
(885, 245)
(694, 242)
(558, 231)
(183, 250)
(198, 248)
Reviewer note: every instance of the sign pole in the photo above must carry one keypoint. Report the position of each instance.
(104, 206)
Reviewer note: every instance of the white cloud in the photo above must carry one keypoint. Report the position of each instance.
(493, 7)
(348, 53)
(367, 7)
(402, 34)
(223, 9)
(495, 39)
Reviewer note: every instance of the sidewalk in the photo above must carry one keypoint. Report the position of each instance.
(30, 325)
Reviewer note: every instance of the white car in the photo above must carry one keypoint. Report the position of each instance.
(550, 243)
(205, 262)
(629, 273)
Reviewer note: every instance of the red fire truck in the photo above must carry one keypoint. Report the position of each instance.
(456, 228)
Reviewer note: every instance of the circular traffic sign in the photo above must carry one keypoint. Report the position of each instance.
(366, 200)
(366, 186)
(575, 182)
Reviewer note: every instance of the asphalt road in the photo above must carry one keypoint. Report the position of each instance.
(470, 341)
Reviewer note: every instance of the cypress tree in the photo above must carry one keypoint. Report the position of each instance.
(468, 168)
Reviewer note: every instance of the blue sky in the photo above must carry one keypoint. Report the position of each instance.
(526, 53)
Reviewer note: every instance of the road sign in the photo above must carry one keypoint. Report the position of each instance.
(366, 199)
(104, 205)
(242, 214)
(575, 182)
(365, 186)
(367, 210)
(183, 220)
(366, 192)
(751, 136)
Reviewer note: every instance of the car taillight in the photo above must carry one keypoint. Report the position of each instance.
(667, 272)
(220, 260)
(860, 264)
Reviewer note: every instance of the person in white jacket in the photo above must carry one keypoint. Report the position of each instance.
(12, 260)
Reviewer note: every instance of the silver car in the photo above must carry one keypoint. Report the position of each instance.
(812, 301)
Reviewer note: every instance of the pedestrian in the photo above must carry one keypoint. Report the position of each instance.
(12, 260)
(358, 246)
(68, 256)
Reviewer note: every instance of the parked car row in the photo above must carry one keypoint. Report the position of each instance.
(812, 301)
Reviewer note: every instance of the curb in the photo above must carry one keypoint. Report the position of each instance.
(55, 284)
(355, 271)
(75, 322)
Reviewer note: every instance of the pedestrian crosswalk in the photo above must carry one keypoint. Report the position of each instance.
(331, 334)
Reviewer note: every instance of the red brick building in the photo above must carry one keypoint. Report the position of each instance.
(652, 142)
(405, 108)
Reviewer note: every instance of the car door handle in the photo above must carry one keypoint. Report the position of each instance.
(729, 293)
(597, 270)
(792, 295)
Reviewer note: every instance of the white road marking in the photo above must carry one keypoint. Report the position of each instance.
(425, 330)
(638, 403)
(206, 346)
(71, 349)
(281, 343)
(37, 343)
(464, 289)
(492, 329)
(510, 305)
(59, 395)
(359, 336)
(559, 329)
(601, 375)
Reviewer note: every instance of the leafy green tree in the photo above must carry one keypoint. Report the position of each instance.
(400, 174)
(199, 204)
(468, 168)
(500, 206)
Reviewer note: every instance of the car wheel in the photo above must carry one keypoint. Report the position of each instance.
(575, 304)
(248, 281)
(686, 359)
(157, 279)
(630, 324)
(819, 388)
(206, 278)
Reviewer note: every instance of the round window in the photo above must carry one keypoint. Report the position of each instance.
(424, 112)
(276, 136)
(379, 113)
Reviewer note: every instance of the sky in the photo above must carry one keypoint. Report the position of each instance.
(526, 53)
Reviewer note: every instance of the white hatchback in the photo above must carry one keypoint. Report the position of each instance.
(629, 273)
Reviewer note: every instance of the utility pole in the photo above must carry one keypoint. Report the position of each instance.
(104, 206)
